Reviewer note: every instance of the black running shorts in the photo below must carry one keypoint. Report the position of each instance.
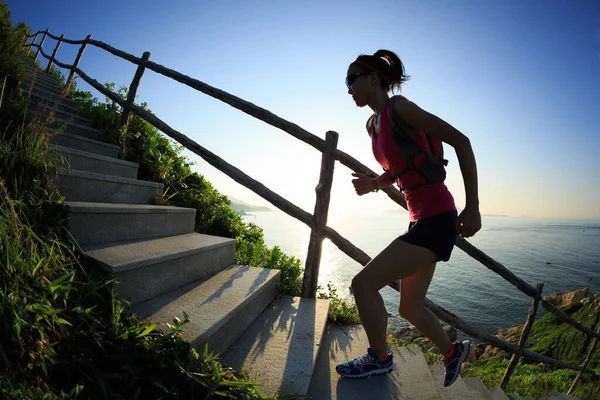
(436, 233)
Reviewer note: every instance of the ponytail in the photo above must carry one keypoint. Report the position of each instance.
(387, 65)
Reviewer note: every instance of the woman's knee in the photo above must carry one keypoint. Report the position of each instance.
(361, 285)
(410, 310)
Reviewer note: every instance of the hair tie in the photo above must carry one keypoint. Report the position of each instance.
(374, 69)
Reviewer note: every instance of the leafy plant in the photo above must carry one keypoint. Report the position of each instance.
(340, 311)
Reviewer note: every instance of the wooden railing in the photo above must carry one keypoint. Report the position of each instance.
(317, 221)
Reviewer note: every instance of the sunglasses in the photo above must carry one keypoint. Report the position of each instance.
(352, 77)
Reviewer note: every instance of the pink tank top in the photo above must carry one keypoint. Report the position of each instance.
(423, 201)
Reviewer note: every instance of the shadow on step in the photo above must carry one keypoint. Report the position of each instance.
(261, 278)
(280, 346)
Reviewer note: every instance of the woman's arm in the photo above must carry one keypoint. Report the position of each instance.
(422, 121)
(363, 184)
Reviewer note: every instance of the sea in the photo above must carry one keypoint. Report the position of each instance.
(562, 254)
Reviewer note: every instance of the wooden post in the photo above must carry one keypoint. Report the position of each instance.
(514, 360)
(76, 63)
(33, 42)
(41, 44)
(54, 52)
(585, 363)
(130, 99)
(319, 220)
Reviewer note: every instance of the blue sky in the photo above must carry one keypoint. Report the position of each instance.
(520, 78)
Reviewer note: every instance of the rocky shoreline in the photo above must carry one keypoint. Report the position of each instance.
(480, 351)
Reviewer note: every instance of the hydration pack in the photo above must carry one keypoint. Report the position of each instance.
(429, 165)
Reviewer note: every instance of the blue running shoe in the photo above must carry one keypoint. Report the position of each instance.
(366, 365)
(452, 364)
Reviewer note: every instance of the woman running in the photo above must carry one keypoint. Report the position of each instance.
(406, 142)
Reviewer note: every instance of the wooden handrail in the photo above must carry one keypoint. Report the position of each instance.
(343, 244)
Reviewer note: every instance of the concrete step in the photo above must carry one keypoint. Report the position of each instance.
(40, 96)
(148, 268)
(32, 67)
(46, 88)
(84, 144)
(45, 109)
(457, 391)
(68, 125)
(77, 185)
(219, 309)
(46, 79)
(556, 395)
(498, 393)
(90, 162)
(95, 223)
(477, 387)
(514, 396)
(46, 83)
(281, 346)
(412, 378)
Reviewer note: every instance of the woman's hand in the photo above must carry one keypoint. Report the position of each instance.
(468, 222)
(363, 184)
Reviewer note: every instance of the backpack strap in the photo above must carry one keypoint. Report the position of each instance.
(395, 119)
(430, 169)
(369, 125)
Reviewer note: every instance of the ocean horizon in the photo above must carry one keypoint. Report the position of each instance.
(563, 254)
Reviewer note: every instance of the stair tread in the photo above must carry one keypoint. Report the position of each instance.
(110, 178)
(44, 82)
(84, 206)
(85, 139)
(476, 386)
(82, 153)
(71, 122)
(556, 395)
(44, 95)
(209, 304)
(514, 396)
(123, 256)
(457, 391)
(412, 378)
(498, 393)
(281, 346)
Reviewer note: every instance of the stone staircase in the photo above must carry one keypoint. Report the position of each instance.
(165, 269)
(412, 379)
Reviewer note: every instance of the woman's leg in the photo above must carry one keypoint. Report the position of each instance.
(397, 261)
(413, 289)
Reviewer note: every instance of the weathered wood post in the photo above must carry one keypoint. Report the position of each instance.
(130, 99)
(41, 44)
(33, 42)
(54, 52)
(319, 220)
(585, 364)
(514, 360)
(76, 63)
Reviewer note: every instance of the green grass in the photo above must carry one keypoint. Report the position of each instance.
(535, 380)
(552, 338)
